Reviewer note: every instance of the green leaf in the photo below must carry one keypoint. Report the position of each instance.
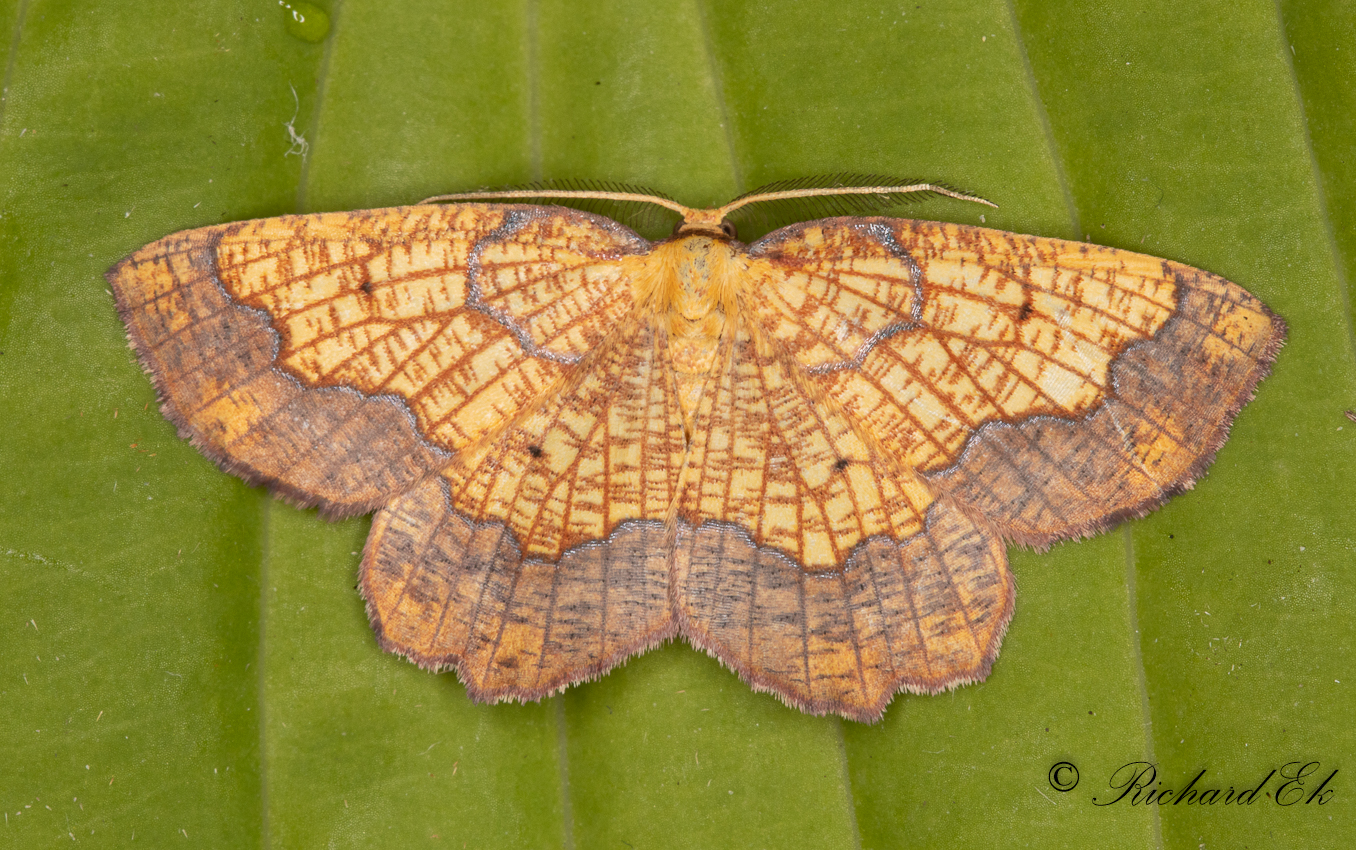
(182, 657)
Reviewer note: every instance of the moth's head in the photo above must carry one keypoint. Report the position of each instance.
(710, 223)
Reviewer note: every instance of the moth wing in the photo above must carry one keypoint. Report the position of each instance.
(541, 557)
(340, 358)
(1052, 387)
(814, 564)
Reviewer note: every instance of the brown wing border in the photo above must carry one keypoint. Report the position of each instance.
(1189, 283)
(444, 521)
(1183, 481)
(391, 422)
(262, 344)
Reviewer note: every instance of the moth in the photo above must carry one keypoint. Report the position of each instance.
(805, 455)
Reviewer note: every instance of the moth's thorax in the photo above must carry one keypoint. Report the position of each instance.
(691, 287)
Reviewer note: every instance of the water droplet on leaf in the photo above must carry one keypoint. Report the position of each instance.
(306, 21)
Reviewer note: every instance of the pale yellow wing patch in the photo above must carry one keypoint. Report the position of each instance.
(465, 313)
(814, 564)
(557, 278)
(827, 290)
(997, 330)
(771, 454)
(295, 350)
(606, 448)
(541, 555)
(1169, 408)
(986, 326)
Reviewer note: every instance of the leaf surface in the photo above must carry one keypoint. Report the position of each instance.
(181, 656)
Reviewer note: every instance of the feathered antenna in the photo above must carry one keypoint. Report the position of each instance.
(645, 211)
(805, 198)
(782, 202)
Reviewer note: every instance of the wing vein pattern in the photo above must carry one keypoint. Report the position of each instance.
(805, 455)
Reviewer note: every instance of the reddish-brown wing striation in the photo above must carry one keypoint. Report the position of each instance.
(804, 455)
(1053, 387)
(341, 358)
